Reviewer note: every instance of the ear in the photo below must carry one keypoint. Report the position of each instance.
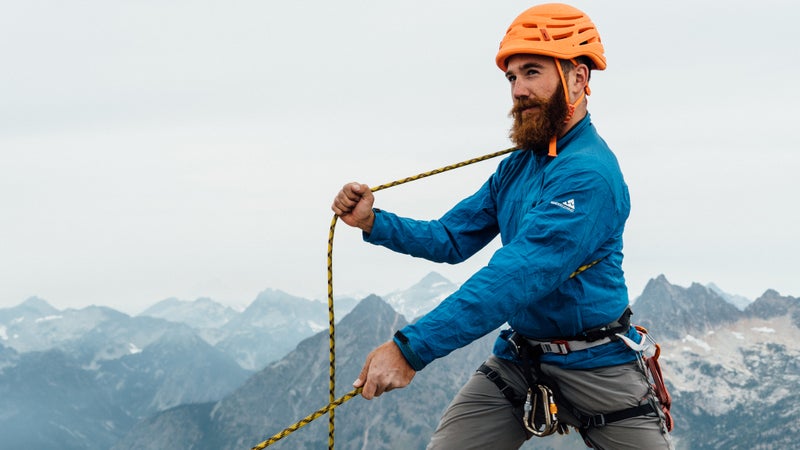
(579, 81)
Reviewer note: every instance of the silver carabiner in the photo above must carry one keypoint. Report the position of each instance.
(545, 400)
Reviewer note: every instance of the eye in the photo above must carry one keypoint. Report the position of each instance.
(511, 78)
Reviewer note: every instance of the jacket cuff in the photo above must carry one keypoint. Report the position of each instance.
(370, 237)
(405, 348)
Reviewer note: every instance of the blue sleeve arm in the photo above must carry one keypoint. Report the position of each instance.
(459, 234)
(557, 236)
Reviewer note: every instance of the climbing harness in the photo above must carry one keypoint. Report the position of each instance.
(333, 402)
(541, 391)
(540, 413)
(652, 368)
(585, 340)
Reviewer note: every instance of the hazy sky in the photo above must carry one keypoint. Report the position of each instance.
(192, 148)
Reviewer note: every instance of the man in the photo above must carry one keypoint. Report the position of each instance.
(560, 206)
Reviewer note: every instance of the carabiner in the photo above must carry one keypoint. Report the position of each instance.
(549, 411)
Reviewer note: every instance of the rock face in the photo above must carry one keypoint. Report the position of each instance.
(736, 383)
(673, 311)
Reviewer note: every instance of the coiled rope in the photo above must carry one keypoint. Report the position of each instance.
(333, 402)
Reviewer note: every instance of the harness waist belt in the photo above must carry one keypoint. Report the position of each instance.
(562, 347)
(586, 340)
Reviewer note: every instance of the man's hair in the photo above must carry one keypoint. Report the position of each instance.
(566, 65)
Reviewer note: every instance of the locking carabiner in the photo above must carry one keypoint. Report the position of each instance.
(544, 422)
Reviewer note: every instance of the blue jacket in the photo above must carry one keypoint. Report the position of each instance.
(553, 216)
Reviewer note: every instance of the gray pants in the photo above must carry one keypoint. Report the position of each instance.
(481, 417)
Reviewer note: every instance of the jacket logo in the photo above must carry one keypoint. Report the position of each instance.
(569, 205)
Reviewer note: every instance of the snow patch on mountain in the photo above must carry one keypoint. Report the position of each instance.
(48, 318)
(316, 327)
(698, 342)
(421, 297)
(767, 330)
(725, 370)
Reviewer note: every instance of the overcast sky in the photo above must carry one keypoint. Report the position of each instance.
(192, 148)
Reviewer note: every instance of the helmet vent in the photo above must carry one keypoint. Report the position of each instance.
(556, 30)
(562, 36)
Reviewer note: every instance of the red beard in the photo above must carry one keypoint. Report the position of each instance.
(535, 131)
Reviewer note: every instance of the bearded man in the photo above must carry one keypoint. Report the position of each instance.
(559, 205)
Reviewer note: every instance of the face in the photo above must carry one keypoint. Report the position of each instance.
(539, 106)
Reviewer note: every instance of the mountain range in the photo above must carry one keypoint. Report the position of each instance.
(197, 375)
(81, 378)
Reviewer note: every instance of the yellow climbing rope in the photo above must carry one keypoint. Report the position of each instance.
(333, 402)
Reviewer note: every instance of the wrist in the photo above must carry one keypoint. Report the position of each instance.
(411, 357)
(366, 227)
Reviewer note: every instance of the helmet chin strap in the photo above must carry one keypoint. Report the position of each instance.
(551, 149)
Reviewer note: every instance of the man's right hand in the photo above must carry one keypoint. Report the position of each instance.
(353, 204)
(385, 369)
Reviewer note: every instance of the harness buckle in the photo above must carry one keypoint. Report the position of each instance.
(559, 347)
(513, 345)
(597, 421)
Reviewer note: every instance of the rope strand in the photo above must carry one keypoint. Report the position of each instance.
(308, 419)
(333, 401)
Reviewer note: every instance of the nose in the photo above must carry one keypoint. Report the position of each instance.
(519, 91)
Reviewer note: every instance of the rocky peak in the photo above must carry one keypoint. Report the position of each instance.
(696, 309)
(773, 304)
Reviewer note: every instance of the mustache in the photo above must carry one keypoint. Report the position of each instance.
(525, 103)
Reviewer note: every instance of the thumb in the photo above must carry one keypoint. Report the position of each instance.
(362, 377)
(363, 189)
(360, 188)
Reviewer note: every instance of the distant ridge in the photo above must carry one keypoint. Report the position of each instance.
(200, 313)
(696, 308)
(100, 378)
(421, 297)
(772, 304)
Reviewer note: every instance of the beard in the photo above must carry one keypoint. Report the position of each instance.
(535, 131)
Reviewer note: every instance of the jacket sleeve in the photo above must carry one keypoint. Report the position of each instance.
(575, 215)
(459, 234)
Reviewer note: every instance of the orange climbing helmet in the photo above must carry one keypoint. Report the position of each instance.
(552, 29)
